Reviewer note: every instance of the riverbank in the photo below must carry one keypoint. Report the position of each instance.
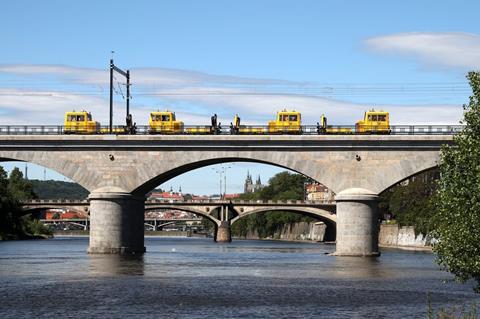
(25, 237)
(390, 236)
(402, 237)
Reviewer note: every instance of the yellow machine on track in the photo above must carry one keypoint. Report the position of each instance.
(287, 122)
(164, 122)
(374, 122)
(80, 122)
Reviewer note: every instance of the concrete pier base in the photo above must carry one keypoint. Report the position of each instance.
(224, 233)
(116, 223)
(357, 223)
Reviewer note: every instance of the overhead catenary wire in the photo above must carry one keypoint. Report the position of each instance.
(343, 90)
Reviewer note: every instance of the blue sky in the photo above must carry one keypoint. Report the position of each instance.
(334, 57)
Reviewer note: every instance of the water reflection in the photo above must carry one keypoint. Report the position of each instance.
(357, 268)
(112, 265)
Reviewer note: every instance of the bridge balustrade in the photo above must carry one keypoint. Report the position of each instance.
(305, 129)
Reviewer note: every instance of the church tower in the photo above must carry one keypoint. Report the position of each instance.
(248, 187)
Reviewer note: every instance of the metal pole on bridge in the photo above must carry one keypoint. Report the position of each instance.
(111, 96)
(128, 92)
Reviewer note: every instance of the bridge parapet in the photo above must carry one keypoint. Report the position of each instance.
(209, 202)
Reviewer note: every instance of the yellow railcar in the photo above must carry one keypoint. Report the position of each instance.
(80, 122)
(289, 122)
(374, 122)
(164, 122)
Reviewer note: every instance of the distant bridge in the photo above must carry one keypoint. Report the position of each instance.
(212, 209)
(220, 212)
(152, 223)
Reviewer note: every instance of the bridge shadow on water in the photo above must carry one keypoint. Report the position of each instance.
(114, 265)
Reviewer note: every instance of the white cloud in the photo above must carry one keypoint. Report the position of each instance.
(195, 97)
(451, 49)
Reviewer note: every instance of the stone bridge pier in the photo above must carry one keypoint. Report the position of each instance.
(357, 223)
(223, 232)
(116, 223)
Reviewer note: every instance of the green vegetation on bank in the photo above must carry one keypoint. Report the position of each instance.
(13, 225)
(282, 186)
(457, 220)
(411, 202)
(58, 190)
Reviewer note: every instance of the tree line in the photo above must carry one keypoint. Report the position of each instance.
(13, 225)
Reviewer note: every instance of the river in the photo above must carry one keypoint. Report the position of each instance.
(197, 278)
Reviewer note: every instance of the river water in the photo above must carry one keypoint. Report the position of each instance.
(197, 278)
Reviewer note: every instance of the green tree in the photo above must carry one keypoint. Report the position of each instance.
(12, 224)
(58, 190)
(457, 220)
(19, 188)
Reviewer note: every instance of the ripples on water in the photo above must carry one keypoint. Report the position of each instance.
(197, 278)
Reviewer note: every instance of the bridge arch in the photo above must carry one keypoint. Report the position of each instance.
(64, 166)
(177, 168)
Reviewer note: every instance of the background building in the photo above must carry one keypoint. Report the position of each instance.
(318, 192)
(249, 186)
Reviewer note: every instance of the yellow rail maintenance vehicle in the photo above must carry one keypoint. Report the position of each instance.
(164, 122)
(80, 122)
(287, 122)
(324, 128)
(374, 122)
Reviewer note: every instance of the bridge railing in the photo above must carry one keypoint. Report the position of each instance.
(237, 201)
(186, 202)
(243, 130)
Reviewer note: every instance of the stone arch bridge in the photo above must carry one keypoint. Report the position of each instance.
(120, 170)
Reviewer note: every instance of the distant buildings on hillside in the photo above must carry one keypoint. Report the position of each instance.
(180, 197)
(318, 192)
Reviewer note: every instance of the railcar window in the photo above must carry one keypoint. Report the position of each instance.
(284, 118)
(80, 118)
(374, 118)
(369, 117)
(89, 117)
(165, 118)
(382, 118)
(292, 118)
(71, 118)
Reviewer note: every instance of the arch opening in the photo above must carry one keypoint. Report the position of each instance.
(177, 171)
(174, 188)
